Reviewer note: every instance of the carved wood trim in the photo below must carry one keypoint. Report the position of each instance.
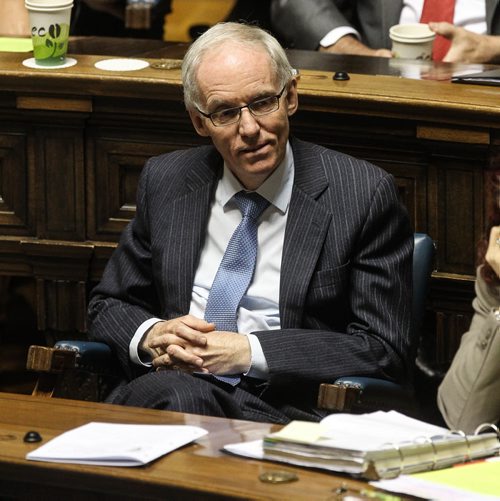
(16, 185)
(54, 103)
(456, 135)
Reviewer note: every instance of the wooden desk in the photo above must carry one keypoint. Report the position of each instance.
(73, 142)
(197, 471)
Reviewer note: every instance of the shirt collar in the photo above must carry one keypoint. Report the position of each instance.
(277, 188)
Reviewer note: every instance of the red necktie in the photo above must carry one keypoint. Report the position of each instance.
(438, 10)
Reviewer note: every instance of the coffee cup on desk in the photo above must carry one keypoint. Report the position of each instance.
(49, 25)
(412, 41)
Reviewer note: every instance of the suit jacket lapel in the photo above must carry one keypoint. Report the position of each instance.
(390, 14)
(305, 232)
(491, 7)
(188, 221)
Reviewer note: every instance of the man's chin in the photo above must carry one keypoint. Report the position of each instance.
(260, 166)
(255, 173)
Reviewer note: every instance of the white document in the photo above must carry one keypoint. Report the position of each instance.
(372, 431)
(111, 444)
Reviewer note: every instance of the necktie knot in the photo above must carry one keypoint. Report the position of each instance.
(251, 204)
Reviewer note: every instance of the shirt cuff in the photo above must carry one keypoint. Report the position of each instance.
(258, 366)
(332, 37)
(133, 349)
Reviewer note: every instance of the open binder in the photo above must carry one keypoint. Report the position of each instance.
(373, 446)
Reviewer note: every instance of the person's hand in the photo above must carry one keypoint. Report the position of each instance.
(183, 333)
(466, 46)
(222, 353)
(351, 45)
(191, 344)
(493, 252)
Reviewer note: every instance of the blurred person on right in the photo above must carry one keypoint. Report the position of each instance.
(469, 395)
(361, 27)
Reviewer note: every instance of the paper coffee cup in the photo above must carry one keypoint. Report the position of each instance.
(49, 25)
(412, 41)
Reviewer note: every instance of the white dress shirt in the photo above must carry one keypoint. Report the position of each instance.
(469, 14)
(259, 308)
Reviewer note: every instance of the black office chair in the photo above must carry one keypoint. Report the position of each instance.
(85, 370)
(365, 394)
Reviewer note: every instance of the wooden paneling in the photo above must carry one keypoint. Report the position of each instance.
(60, 180)
(114, 165)
(16, 185)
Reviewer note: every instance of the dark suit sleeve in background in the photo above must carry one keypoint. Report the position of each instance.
(301, 24)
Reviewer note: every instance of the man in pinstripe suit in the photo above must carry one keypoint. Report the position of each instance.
(330, 294)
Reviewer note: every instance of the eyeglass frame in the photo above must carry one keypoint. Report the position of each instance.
(240, 108)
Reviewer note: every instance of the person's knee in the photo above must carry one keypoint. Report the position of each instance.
(170, 390)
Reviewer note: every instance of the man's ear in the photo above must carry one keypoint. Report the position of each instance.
(199, 123)
(292, 98)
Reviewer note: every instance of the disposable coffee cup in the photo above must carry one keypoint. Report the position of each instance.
(49, 25)
(412, 41)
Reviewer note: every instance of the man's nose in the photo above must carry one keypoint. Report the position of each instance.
(248, 124)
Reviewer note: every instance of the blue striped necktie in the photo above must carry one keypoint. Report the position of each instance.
(236, 269)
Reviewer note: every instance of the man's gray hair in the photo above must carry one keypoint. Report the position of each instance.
(244, 34)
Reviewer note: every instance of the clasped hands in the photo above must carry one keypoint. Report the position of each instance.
(192, 344)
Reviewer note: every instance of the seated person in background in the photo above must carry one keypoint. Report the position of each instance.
(109, 18)
(316, 286)
(469, 395)
(362, 27)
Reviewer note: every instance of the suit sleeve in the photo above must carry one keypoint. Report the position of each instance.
(468, 395)
(301, 24)
(362, 323)
(126, 296)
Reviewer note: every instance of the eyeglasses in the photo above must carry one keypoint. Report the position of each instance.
(257, 108)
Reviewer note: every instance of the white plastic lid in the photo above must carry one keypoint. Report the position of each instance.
(411, 33)
(48, 5)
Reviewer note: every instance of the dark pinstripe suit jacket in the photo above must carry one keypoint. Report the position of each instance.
(302, 23)
(345, 290)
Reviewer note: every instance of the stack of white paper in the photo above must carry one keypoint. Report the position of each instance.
(111, 444)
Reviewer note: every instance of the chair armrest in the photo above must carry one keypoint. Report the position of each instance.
(49, 360)
(70, 355)
(365, 394)
(80, 370)
(89, 354)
